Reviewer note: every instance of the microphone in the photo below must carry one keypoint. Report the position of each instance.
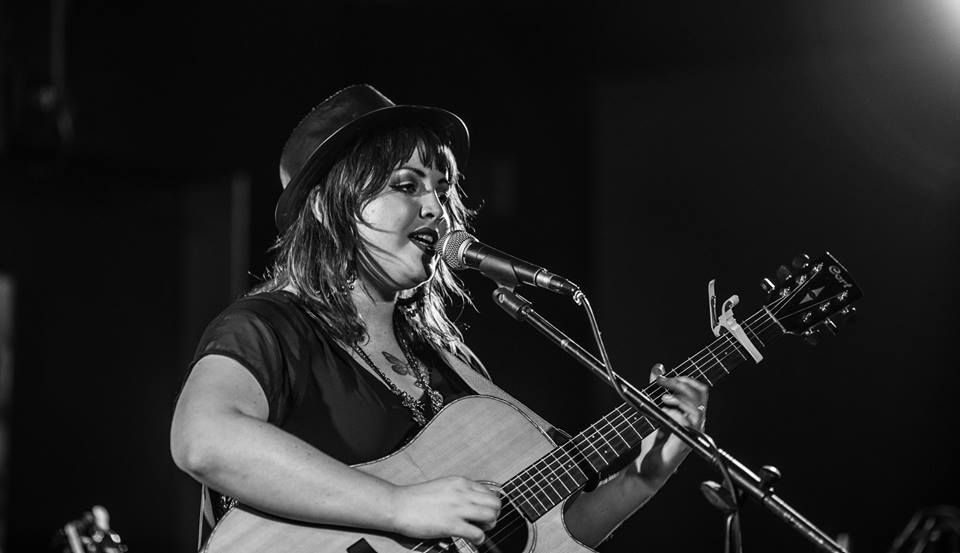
(460, 250)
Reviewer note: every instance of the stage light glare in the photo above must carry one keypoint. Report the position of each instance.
(948, 14)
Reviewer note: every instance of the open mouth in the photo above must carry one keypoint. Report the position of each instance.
(425, 238)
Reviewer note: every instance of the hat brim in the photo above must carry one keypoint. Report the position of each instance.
(448, 124)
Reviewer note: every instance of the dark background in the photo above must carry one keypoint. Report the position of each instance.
(640, 149)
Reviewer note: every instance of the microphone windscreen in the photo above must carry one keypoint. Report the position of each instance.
(449, 248)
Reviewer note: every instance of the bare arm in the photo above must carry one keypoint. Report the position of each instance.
(221, 438)
(594, 516)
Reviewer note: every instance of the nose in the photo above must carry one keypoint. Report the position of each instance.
(431, 208)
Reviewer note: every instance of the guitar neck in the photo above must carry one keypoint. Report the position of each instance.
(603, 445)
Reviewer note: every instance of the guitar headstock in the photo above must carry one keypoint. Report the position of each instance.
(90, 533)
(812, 296)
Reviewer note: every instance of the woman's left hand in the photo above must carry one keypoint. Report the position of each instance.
(593, 515)
(686, 403)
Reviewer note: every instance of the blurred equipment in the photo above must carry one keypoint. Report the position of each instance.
(931, 530)
(7, 291)
(89, 534)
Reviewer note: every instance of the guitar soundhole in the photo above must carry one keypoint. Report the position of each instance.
(510, 535)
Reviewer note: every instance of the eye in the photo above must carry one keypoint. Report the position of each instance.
(406, 187)
(443, 196)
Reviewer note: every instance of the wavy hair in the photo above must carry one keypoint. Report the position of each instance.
(321, 253)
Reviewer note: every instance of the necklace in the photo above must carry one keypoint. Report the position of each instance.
(397, 365)
(415, 406)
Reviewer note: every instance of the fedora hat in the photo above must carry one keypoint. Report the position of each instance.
(325, 134)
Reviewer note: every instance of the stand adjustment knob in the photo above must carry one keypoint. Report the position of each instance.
(769, 475)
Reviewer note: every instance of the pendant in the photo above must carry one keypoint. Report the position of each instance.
(397, 365)
(416, 410)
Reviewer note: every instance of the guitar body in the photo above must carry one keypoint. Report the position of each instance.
(478, 437)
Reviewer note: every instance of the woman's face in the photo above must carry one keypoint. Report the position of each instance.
(403, 223)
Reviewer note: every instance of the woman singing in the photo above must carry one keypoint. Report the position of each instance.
(346, 352)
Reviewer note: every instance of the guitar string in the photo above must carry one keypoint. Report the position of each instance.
(729, 345)
(773, 322)
(597, 429)
(681, 370)
(513, 521)
(608, 434)
(623, 410)
(507, 527)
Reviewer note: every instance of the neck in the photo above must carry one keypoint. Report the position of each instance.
(375, 309)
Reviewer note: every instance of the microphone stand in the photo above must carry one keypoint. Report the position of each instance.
(746, 481)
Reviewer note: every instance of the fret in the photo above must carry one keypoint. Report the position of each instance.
(735, 347)
(586, 456)
(614, 422)
(543, 494)
(541, 486)
(569, 467)
(540, 507)
(704, 375)
(633, 419)
(523, 503)
(717, 359)
(551, 485)
(567, 480)
(617, 431)
(600, 450)
(603, 459)
(572, 466)
(697, 369)
(751, 331)
(557, 472)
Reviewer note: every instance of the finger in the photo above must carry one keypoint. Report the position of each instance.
(677, 415)
(487, 526)
(688, 409)
(486, 500)
(656, 372)
(479, 487)
(469, 532)
(480, 514)
(700, 387)
(683, 389)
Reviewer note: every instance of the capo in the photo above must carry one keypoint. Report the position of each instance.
(727, 321)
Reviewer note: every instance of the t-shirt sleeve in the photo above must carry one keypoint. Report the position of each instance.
(247, 337)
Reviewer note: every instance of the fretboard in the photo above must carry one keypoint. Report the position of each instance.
(591, 453)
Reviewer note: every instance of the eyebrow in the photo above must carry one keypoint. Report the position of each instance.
(421, 173)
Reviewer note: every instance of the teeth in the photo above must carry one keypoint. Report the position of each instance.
(425, 237)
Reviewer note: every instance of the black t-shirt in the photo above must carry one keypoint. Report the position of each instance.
(315, 390)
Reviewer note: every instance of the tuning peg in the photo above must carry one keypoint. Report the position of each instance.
(767, 285)
(848, 314)
(811, 337)
(830, 326)
(801, 261)
(783, 273)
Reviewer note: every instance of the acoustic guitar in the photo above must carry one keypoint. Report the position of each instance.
(490, 440)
